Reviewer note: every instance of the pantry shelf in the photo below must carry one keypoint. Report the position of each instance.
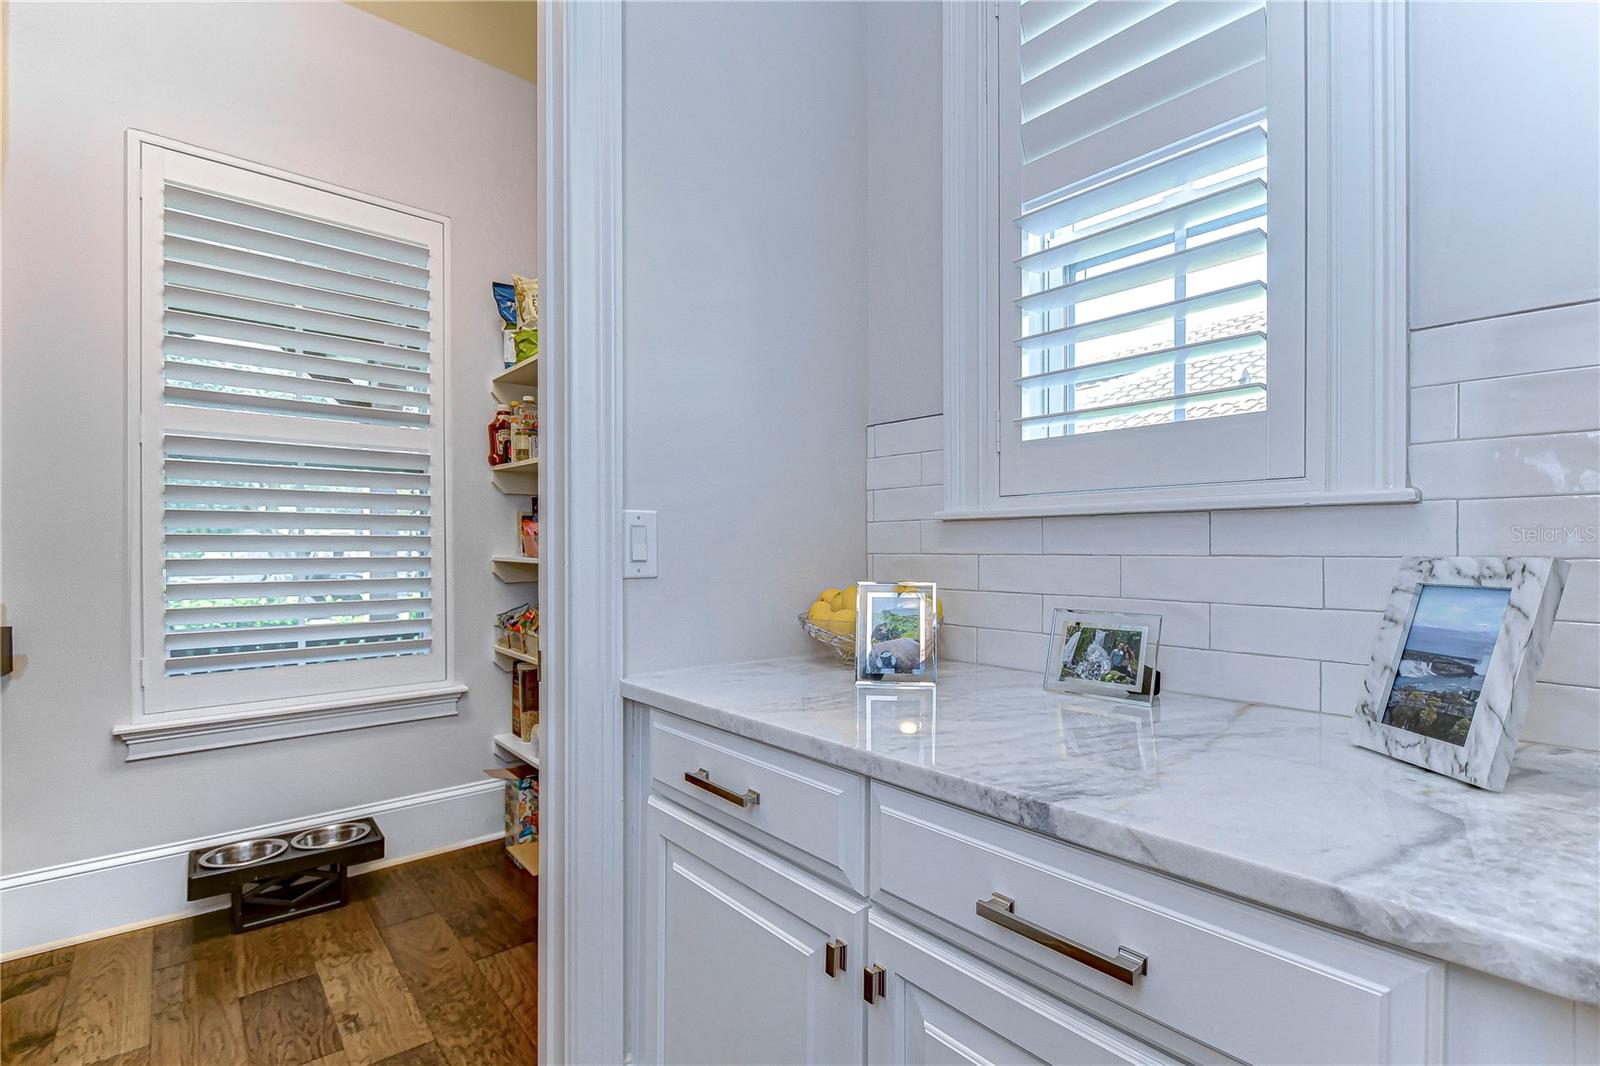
(516, 656)
(514, 382)
(517, 748)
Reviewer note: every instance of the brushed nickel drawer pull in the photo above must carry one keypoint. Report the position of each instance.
(701, 778)
(1127, 967)
(873, 983)
(833, 959)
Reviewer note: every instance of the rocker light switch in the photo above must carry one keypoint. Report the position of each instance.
(638, 544)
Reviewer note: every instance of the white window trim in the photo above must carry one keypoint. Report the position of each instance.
(1355, 244)
(152, 735)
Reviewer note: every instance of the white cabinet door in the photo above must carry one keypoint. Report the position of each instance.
(735, 948)
(942, 1007)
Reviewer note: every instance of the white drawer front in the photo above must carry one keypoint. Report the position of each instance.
(1249, 982)
(811, 813)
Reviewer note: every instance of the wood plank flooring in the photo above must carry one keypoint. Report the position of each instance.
(431, 964)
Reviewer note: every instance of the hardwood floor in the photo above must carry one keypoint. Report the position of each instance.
(431, 964)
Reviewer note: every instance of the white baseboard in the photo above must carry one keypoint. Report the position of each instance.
(60, 905)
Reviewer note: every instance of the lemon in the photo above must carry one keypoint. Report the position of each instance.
(820, 614)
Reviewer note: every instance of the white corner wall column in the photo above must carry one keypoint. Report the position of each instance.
(581, 879)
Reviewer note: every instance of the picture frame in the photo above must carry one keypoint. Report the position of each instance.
(1107, 654)
(1454, 661)
(896, 632)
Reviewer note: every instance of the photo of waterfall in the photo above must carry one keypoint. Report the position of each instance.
(1446, 655)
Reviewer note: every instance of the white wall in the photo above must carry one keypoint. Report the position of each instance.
(321, 89)
(745, 299)
(1280, 606)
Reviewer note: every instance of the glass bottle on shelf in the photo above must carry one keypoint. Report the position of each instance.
(530, 410)
(521, 434)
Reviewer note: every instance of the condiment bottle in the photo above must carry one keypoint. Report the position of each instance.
(500, 435)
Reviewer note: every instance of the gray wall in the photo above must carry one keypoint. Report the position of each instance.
(1280, 606)
(744, 184)
(320, 89)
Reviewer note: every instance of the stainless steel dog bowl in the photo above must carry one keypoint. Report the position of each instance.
(244, 853)
(336, 835)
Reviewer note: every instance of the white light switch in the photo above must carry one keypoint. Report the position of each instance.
(638, 544)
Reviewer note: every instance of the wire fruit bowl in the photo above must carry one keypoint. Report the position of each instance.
(841, 644)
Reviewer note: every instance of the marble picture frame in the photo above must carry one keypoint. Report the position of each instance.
(1483, 759)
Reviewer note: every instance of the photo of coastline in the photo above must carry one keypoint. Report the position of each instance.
(1446, 655)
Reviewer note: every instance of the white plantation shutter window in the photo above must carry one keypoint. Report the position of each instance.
(290, 438)
(1149, 160)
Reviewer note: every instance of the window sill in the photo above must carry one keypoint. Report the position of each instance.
(1112, 503)
(159, 736)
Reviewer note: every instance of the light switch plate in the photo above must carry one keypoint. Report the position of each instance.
(638, 544)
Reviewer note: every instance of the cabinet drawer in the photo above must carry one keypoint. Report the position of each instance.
(1250, 982)
(812, 814)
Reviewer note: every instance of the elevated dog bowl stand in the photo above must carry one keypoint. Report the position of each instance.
(292, 885)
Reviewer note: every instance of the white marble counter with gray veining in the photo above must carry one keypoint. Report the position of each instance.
(1273, 805)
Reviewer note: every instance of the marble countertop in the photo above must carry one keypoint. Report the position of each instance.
(1272, 805)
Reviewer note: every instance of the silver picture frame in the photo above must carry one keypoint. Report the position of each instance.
(1143, 640)
(897, 632)
(1433, 695)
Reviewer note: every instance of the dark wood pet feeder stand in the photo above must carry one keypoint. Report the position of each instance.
(292, 885)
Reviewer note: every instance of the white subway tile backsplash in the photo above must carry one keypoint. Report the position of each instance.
(1129, 534)
(1433, 413)
(901, 505)
(1504, 430)
(946, 571)
(1252, 678)
(1012, 650)
(1342, 685)
(1562, 526)
(958, 643)
(1185, 624)
(993, 610)
(1292, 582)
(1553, 339)
(1554, 402)
(1359, 584)
(1549, 465)
(912, 435)
(1427, 528)
(996, 536)
(1064, 575)
(1580, 600)
(904, 538)
(894, 472)
(1296, 632)
(1573, 655)
(1565, 716)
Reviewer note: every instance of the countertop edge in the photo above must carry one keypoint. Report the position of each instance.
(1570, 976)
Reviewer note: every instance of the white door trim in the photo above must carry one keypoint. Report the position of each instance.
(581, 878)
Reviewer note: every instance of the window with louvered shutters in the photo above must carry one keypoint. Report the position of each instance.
(291, 438)
(1144, 150)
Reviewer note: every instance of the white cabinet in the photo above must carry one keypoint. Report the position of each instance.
(735, 952)
(942, 1007)
(747, 862)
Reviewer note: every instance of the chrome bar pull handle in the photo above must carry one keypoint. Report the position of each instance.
(833, 959)
(873, 983)
(701, 778)
(1126, 966)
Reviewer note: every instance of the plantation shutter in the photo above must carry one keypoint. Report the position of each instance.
(1140, 192)
(291, 444)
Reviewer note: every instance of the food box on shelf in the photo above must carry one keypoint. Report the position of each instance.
(522, 802)
(524, 700)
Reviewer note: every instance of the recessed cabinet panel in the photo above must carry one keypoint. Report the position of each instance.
(945, 1008)
(735, 949)
(1247, 981)
(811, 813)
